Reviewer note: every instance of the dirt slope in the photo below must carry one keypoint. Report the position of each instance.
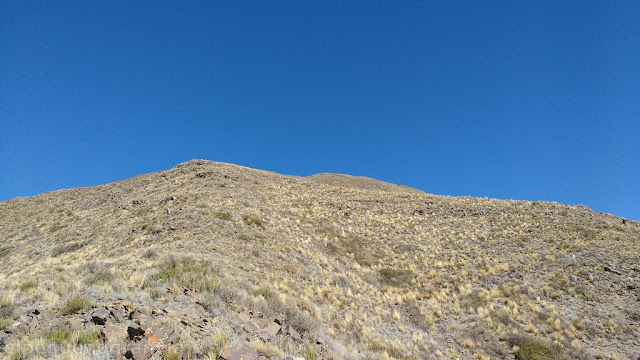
(209, 260)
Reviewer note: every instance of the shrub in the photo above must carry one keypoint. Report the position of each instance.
(98, 273)
(309, 353)
(381, 346)
(475, 300)
(223, 215)
(532, 349)
(268, 350)
(18, 351)
(5, 322)
(76, 304)
(87, 337)
(395, 277)
(188, 273)
(149, 254)
(56, 335)
(66, 248)
(28, 285)
(213, 349)
(252, 220)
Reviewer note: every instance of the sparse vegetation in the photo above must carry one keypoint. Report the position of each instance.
(223, 216)
(28, 285)
(374, 269)
(395, 277)
(530, 349)
(268, 350)
(252, 220)
(97, 273)
(187, 272)
(57, 335)
(87, 338)
(76, 304)
(5, 322)
(67, 248)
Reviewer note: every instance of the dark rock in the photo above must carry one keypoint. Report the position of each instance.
(135, 332)
(100, 316)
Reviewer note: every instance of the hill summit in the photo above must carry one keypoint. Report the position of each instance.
(209, 260)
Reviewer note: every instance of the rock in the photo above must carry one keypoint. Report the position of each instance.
(100, 316)
(251, 327)
(76, 323)
(135, 332)
(137, 351)
(294, 334)
(138, 314)
(320, 341)
(241, 351)
(270, 331)
(118, 312)
(111, 333)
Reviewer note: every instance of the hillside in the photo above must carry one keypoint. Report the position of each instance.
(209, 260)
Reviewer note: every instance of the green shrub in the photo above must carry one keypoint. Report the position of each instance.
(87, 338)
(252, 220)
(28, 285)
(188, 273)
(5, 322)
(18, 351)
(395, 277)
(76, 304)
(475, 300)
(66, 248)
(98, 273)
(223, 215)
(532, 349)
(57, 335)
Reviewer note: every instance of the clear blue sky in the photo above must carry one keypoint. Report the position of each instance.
(534, 100)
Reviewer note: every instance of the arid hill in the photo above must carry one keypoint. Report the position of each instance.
(213, 260)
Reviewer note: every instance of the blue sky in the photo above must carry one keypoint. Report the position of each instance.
(534, 100)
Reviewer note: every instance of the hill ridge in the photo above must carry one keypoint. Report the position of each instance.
(220, 259)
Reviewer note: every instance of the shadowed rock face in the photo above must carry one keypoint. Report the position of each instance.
(210, 259)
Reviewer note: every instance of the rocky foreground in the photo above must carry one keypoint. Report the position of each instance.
(215, 261)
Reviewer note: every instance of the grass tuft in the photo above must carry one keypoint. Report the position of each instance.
(252, 220)
(76, 304)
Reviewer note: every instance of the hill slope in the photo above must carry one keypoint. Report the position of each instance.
(209, 258)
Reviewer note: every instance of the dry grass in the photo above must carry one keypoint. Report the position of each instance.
(378, 270)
